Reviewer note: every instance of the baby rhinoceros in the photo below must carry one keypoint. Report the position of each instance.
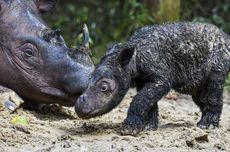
(192, 58)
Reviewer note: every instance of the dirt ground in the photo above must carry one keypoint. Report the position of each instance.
(64, 131)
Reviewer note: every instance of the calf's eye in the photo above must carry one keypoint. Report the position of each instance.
(104, 88)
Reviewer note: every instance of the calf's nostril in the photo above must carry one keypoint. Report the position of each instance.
(82, 99)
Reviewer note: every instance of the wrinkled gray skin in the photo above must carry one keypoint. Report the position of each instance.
(34, 60)
(192, 58)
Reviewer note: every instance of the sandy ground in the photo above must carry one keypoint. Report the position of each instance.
(64, 131)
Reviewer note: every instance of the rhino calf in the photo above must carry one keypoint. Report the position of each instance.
(192, 58)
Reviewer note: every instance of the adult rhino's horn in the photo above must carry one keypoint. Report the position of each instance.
(86, 39)
(85, 36)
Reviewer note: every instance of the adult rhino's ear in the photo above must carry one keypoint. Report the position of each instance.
(125, 56)
(46, 5)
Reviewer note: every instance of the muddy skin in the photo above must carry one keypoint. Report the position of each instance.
(191, 58)
(34, 59)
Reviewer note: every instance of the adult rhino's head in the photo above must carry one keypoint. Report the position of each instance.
(34, 60)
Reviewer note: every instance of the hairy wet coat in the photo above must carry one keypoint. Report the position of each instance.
(34, 59)
(192, 58)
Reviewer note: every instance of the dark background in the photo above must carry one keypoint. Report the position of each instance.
(114, 20)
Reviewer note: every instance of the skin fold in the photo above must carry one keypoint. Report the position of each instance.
(34, 59)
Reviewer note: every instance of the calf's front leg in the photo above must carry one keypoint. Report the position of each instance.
(142, 106)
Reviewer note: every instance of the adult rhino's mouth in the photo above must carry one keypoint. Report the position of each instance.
(49, 95)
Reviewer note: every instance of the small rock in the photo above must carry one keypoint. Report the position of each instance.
(190, 143)
(53, 142)
(113, 146)
(219, 146)
(164, 117)
(126, 139)
(21, 128)
(114, 137)
(137, 147)
(66, 144)
(11, 101)
(196, 113)
(149, 145)
(63, 137)
(202, 138)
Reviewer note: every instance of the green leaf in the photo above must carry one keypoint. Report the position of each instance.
(20, 120)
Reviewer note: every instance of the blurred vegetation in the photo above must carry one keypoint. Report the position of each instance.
(108, 21)
(212, 11)
(113, 21)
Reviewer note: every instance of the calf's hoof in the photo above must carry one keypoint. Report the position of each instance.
(202, 125)
(151, 126)
(127, 130)
(132, 127)
(209, 122)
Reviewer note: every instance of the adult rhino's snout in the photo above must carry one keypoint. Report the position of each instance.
(77, 82)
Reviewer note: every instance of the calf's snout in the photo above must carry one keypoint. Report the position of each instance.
(82, 107)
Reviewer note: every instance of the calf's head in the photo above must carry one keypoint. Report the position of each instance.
(34, 60)
(108, 84)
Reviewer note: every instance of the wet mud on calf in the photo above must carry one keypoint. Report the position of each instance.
(191, 58)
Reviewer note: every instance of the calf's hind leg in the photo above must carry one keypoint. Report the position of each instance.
(211, 100)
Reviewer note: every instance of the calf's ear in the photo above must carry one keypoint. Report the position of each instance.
(114, 48)
(125, 56)
(45, 5)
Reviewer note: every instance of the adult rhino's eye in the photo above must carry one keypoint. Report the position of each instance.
(28, 53)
